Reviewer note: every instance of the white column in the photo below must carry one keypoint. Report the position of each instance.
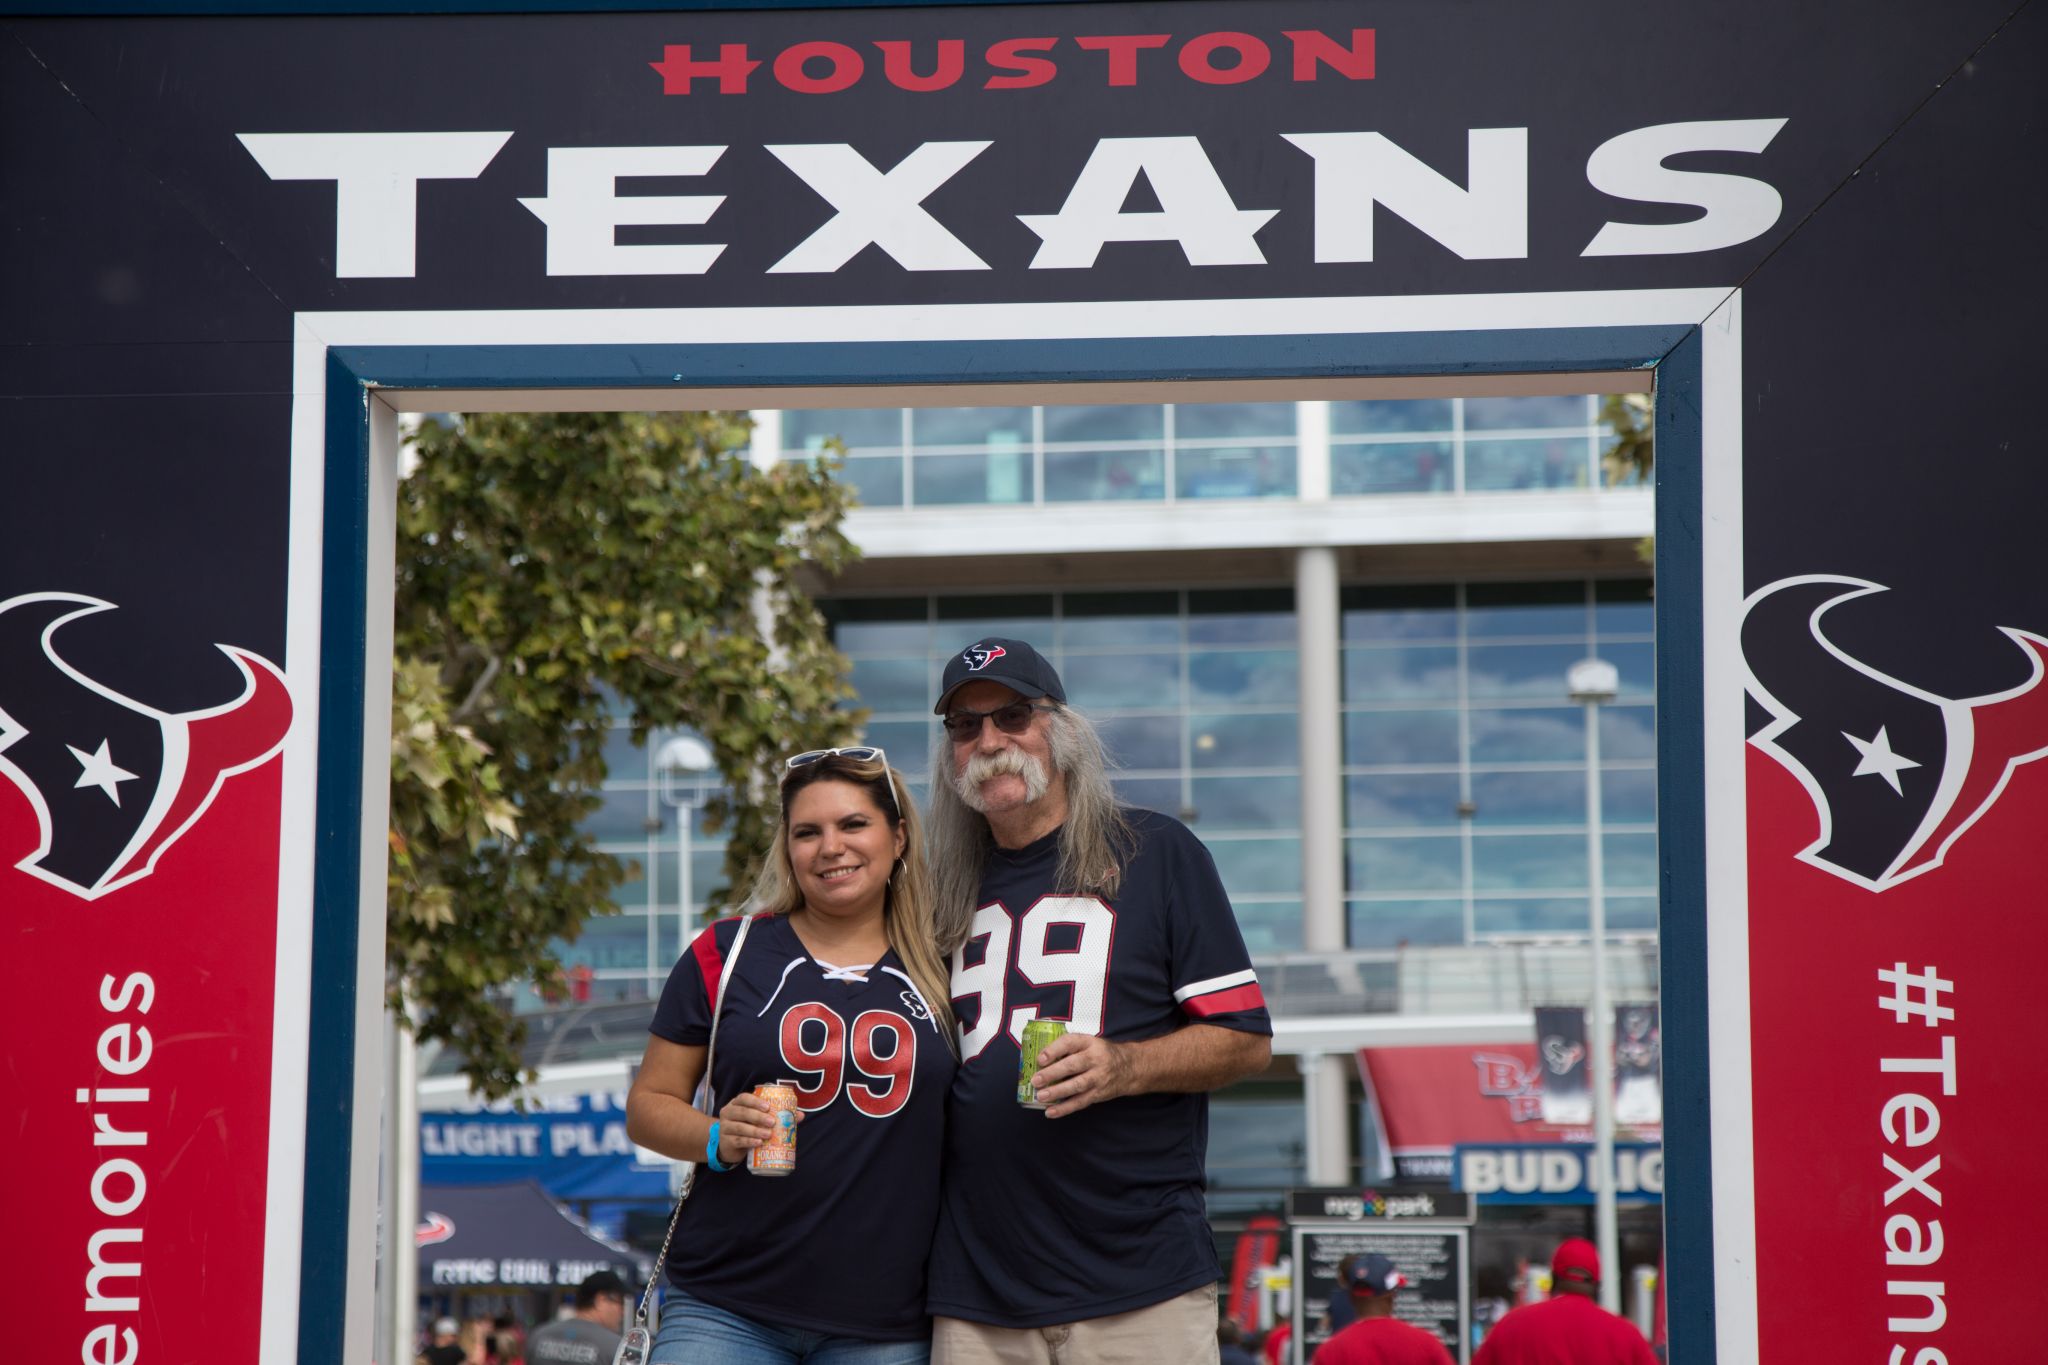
(398, 1282)
(1325, 1091)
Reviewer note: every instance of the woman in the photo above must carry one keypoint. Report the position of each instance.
(841, 989)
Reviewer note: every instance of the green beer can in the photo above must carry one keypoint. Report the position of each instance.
(1037, 1033)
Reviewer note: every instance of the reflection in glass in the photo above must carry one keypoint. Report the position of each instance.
(1496, 610)
(1269, 926)
(1632, 915)
(1556, 462)
(1529, 798)
(1630, 860)
(1119, 620)
(1637, 664)
(1374, 863)
(908, 742)
(1250, 865)
(1150, 793)
(1375, 415)
(1106, 422)
(1261, 675)
(897, 684)
(1235, 472)
(1622, 607)
(622, 813)
(1512, 862)
(1504, 414)
(1381, 800)
(876, 480)
(1531, 916)
(1628, 731)
(1399, 467)
(1246, 616)
(1197, 421)
(1105, 475)
(1134, 680)
(1142, 741)
(970, 426)
(1628, 796)
(1401, 673)
(855, 426)
(1404, 613)
(1528, 736)
(1533, 671)
(1393, 924)
(1245, 741)
(1231, 803)
(1375, 737)
(1000, 476)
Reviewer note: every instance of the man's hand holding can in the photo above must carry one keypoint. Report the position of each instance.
(1076, 1070)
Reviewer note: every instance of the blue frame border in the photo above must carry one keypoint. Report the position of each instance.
(1671, 351)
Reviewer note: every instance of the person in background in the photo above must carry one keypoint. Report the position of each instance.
(840, 986)
(1339, 1313)
(443, 1348)
(1376, 1336)
(589, 1335)
(1570, 1327)
(1274, 1347)
(1076, 1232)
(1230, 1347)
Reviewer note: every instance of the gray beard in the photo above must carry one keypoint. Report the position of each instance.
(981, 767)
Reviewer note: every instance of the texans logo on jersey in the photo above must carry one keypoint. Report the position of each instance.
(1896, 773)
(114, 783)
(981, 656)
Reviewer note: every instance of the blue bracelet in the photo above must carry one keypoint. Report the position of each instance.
(711, 1150)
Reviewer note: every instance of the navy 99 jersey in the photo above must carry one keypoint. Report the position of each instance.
(839, 1245)
(1046, 1221)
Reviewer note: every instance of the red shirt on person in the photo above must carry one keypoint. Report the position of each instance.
(1382, 1341)
(1569, 1329)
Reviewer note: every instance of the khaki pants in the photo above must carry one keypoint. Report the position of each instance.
(1180, 1331)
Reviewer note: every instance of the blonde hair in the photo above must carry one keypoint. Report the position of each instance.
(906, 898)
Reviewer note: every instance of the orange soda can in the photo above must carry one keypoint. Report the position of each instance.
(777, 1156)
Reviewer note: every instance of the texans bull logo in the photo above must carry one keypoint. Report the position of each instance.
(981, 656)
(114, 783)
(1896, 773)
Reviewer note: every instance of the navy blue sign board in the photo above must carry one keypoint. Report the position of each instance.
(1434, 1259)
(1554, 1172)
(239, 241)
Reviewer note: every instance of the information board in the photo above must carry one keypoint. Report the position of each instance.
(1436, 1262)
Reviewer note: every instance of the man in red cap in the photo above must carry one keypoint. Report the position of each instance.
(1377, 1337)
(1570, 1327)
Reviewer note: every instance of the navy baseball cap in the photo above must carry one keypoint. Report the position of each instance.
(1373, 1273)
(1013, 663)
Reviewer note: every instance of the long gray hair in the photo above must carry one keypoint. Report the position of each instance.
(1095, 842)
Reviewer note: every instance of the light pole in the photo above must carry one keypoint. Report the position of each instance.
(1592, 682)
(680, 766)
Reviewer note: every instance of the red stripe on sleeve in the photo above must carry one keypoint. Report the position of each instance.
(710, 962)
(1248, 997)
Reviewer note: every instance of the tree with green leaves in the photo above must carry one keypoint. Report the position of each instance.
(556, 571)
(1632, 417)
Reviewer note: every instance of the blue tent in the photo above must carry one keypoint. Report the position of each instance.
(510, 1236)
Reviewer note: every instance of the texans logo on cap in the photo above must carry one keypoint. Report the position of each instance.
(981, 656)
(114, 783)
(1897, 774)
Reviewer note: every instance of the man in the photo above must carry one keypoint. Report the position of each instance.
(589, 1335)
(1570, 1327)
(1376, 1336)
(444, 1349)
(1078, 1233)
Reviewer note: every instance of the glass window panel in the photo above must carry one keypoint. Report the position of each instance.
(1150, 793)
(1403, 864)
(1233, 803)
(707, 874)
(1628, 732)
(1015, 616)
(632, 892)
(1526, 798)
(1393, 924)
(907, 742)
(1246, 616)
(1631, 915)
(1524, 918)
(897, 684)
(1235, 472)
(1623, 608)
(669, 937)
(1132, 680)
(1247, 675)
(608, 941)
(955, 480)
(1120, 620)
(1533, 671)
(1550, 410)
(1637, 666)
(1517, 862)
(623, 759)
(1268, 927)
(1105, 475)
(1142, 741)
(877, 480)
(1196, 421)
(1552, 462)
(622, 813)
(1407, 613)
(1397, 467)
(1531, 736)
(1235, 740)
(995, 427)
(1106, 422)
(1411, 673)
(1373, 737)
(1374, 415)
(1493, 610)
(1377, 800)
(856, 426)
(1252, 865)
(1628, 796)
(1630, 860)
(879, 625)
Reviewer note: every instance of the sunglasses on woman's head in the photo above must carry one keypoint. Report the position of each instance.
(859, 753)
(1013, 719)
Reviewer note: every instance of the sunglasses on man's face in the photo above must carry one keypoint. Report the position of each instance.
(859, 753)
(1013, 719)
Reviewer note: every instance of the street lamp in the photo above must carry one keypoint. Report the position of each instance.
(1592, 682)
(680, 766)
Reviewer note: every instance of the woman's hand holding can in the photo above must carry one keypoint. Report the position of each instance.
(744, 1124)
